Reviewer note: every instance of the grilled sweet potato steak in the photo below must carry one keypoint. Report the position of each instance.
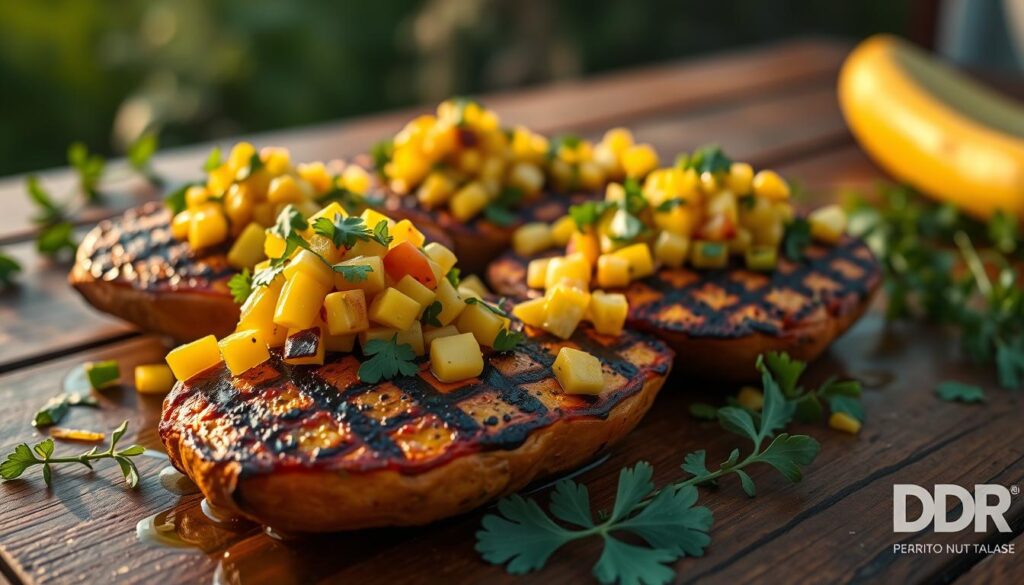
(132, 268)
(480, 241)
(719, 321)
(313, 449)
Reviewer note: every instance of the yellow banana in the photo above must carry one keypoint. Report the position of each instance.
(934, 128)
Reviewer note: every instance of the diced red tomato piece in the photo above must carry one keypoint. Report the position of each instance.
(405, 259)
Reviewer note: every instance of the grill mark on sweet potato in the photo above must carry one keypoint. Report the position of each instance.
(407, 424)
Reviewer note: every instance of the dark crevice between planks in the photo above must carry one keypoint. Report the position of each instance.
(835, 499)
(8, 572)
(66, 351)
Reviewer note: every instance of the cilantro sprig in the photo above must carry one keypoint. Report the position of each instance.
(523, 536)
(507, 340)
(240, 286)
(24, 457)
(346, 231)
(430, 314)
(953, 391)
(390, 359)
(8, 268)
(353, 272)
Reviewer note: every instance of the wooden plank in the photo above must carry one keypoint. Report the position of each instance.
(43, 316)
(47, 316)
(835, 526)
(999, 568)
(585, 105)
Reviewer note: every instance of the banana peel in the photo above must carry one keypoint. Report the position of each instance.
(934, 128)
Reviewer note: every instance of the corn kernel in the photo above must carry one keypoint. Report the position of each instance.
(590, 175)
(578, 372)
(190, 359)
(316, 175)
(241, 154)
(762, 258)
(153, 379)
(612, 271)
(769, 184)
(196, 196)
(392, 308)
(532, 238)
(247, 250)
(456, 357)
(585, 244)
(827, 223)
(639, 159)
(844, 422)
(243, 350)
(750, 398)
(300, 301)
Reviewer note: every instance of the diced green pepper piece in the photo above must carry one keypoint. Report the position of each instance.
(762, 258)
(102, 374)
(709, 255)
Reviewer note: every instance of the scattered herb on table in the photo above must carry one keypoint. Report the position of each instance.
(23, 457)
(8, 268)
(102, 374)
(507, 340)
(522, 536)
(57, 408)
(953, 391)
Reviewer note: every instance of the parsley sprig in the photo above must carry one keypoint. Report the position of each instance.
(57, 408)
(23, 457)
(346, 231)
(522, 536)
(390, 360)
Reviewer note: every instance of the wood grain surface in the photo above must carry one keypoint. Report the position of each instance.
(774, 106)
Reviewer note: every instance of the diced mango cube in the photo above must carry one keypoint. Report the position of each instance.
(392, 308)
(530, 312)
(432, 333)
(258, 313)
(372, 282)
(207, 227)
(641, 265)
(436, 189)
(366, 248)
(709, 255)
(639, 159)
(305, 347)
(563, 229)
(827, 223)
(300, 301)
(247, 250)
(444, 257)
(608, 312)
(243, 350)
(578, 372)
(346, 312)
(372, 217)
(417, 291)
(312, 265)
(190, 359)
(573, 268)
(537, 272)
(451, 303)
(153, 379)
(340, 343)
(473, 283)
(612, 271)
(532, 238)
(770, 185)
(762, 258)
(740, 178)
(671, 249)
(564, 309)
(467, 293)
(405, 231)
(288, 189)
(456, 357)
(468, 201)
(481, 322)
(180, 225)
(273, 245)
(413, 336)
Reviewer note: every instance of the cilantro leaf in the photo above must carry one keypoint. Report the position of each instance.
(19, 460)
(89, 168)
(453, 277)
(255, 164)
(380, 233)
(500, 211)
(54, 239)
(670, 204)
(240, 286)
(634, 201)
(381, 153)
(708, 159)
(353, 272)
(783, 369)
(589, 213)
(345, 231)
(632, 565)
(671, 522)
(49, 211)
(953, 391)
(8, 268)
(57, 408)
(141, 151)
(507, 340)
(1003, 231)
(625, 227)
(213, 160)
(696, 463)
(267, 275)
(796, 239)
(496, 309)
(390, 359)
(570, 502)
(788, 452)
(431, 312)
(521, 536)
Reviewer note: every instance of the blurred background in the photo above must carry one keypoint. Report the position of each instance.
(194, 70)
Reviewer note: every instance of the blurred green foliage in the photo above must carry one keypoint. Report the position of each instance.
(103, 72)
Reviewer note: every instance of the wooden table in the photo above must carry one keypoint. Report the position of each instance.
(774, 106)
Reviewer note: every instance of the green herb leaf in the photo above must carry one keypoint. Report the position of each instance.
(267, 275)
(953, 391)
(496, 309)
(254, 166)
(625, 227)
(240, 286)
(175, 200)
(709, 159)
(141, 151)
(381, 153)
(54, 239)
(213, 160)
(431, 312)
(344, 231)
(453, 277)
(89, 168)
(353, 272)
(390, 359)
(380, 233)
(703, 411)
(507, 340)
(23, 457)
(570, 502)
(634, 202)
(102, 374)
(670, 204)
(8, 268)
(521, 536)
(787, 453)
(19, 460)
(785, 370)
(589, 213)
(49, 211)
(796, 239)
(500, 211)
